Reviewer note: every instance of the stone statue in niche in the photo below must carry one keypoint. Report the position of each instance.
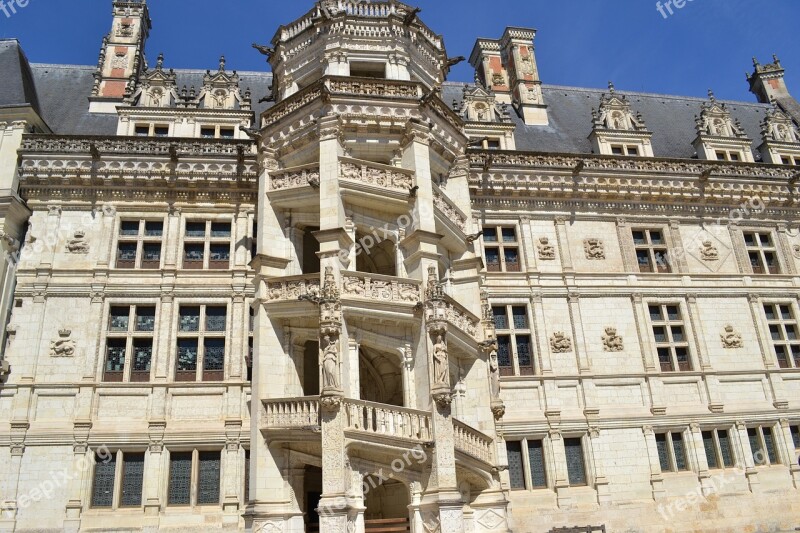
(594, 249)
(433, 290)
(547, 252)
(330, 364)
(494, 374)
(440, 361)
(611, 341)
(560, 343)
(731, 340)
(78, 244)
(709, 252)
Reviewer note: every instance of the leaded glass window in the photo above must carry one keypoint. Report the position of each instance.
(671, 452)
(507, 249)
(190, 319)
(201, 343)
(132, 478)
(514, 339)
(207, 245)
(762, 444)
(129, 345)
(105, 469)
(215, 318)
(208, 478)
(180, 478)
(515, 468)
(718, 449)
(576, 466)
(795, 430)
(536, 459)
(139, 244)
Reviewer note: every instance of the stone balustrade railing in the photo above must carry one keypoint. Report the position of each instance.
(293, 287)
(449, 210)
(290, 178)
(380, 288)
(451, 311)
(292, 413)
(388, 421)
(376, 174)
(167, 146)
(472, 442)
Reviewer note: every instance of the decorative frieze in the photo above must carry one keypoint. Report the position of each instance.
(450, 211)
(381, 176)
(379, 288)
(291, 289)
(293, 178)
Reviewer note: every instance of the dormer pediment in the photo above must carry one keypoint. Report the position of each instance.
(781, 139)
(720, 137)
(617, 129)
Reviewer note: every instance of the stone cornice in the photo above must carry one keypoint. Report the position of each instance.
(131, 168)
(602, 179)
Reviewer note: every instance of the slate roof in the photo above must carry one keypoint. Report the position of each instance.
(64, 92)
(670, 118)
(60, 93)
(17, 86)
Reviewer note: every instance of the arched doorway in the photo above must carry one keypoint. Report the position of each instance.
(386, 503)
(377, 259)
(380, 378)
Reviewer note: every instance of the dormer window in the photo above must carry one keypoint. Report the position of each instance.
(217, 132)
(781, 139)
(617, 130)
(624, 149)
(720, 136)
(789, 160)
(151, 130)
(728, 155)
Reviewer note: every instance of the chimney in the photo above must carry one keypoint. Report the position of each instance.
(767, 82)
(121, 55)
(508, 68)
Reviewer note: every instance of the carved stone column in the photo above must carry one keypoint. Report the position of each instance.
(442, 503)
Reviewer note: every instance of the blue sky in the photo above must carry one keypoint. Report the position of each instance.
(706, 44)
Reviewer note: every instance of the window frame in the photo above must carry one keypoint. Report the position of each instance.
(151, 129)
(759, 430)
(208, 241)
(129, 336)
(500, 245)
(119, 481)
(527, 474)
(731, 156)
(141, 240)
(785, 341)
(672, 456)
(719, 457)
(512, 332)
(652, 250)
(194, 482)
(580, 439)
(201, 335)
(761, 250)
(670, 344)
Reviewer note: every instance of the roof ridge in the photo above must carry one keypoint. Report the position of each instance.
(652, 95)
(178, 70)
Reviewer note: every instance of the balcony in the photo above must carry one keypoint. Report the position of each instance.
(294, 177)
(379, 288)
(473, 443)
(375, 175)
(374, 421)
(290, 289)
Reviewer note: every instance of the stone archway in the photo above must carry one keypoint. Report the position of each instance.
(380, 377)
